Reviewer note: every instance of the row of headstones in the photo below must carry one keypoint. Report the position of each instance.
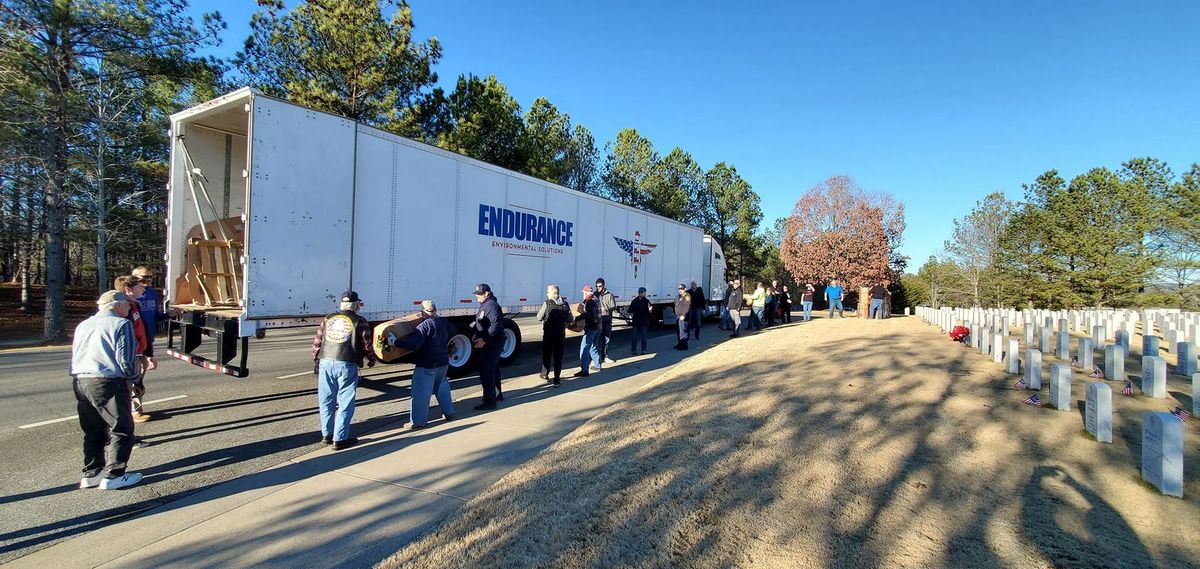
(1174, 326)
(1162, 432)
(1171, 324)
(986, 328)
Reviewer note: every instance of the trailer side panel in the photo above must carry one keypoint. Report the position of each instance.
(299, 235)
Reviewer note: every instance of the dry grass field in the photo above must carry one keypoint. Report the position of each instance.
(842, 443)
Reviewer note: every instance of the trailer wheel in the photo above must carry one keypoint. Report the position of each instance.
(512, 342)
(656, 317)
(461, 350)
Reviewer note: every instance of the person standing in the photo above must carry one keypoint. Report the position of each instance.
(607, 303)
(878, 294)
(134, 287)
(588, 351)
(734, 306)
(806, 301)
(342, 342)
(683, 303)
(772, 302)
(430, 342)
(833, 295)
(639, 310)
(785, 305)
(697, 302)
(150, 304)
(488, 339)
(726, 321)
(555, 315)
(758, 301)
(103, 363)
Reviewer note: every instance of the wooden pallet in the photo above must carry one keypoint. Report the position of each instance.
(213, 269)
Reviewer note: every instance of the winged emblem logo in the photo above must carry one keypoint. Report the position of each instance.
(636, 249)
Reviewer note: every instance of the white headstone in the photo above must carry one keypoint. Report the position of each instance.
(1172, 339)
(1185, 352)
(1062, 324)
(1028, 335)
(1154, 376)
(1033, 369)
(1086, 355)
(997, 347)
(1149, 345)
(1123, 340)
(1097, 417)
(1114, 363)
(1162, 452)
(1013, 358)
(1060, 386)
(1044, 339)
(1196, 394)
(1098, 335)
(1062, 347)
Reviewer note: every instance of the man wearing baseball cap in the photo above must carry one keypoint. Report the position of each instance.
(342, 342)
(103, 361)
(488, 339)
(589, 352)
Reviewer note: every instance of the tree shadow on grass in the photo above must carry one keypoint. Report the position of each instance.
(848, 466)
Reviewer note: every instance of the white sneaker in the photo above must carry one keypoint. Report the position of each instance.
(128, 479)
(91, 481)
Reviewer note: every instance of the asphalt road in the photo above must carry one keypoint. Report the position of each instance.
(207, 428)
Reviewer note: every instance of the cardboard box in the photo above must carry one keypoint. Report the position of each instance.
(402, 328)
(577, 319)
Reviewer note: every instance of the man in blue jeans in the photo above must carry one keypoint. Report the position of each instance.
(878, 294)
(342, 342)
(806, 301)
(833, 295)
(431, 345)
(588, 350)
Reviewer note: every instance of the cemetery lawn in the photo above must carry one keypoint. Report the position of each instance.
(843, 443)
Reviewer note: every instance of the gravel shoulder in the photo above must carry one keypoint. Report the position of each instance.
(842, 443)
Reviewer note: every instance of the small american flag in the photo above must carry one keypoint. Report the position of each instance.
(1128, 389)
(1180, 414)
(1096, 373)
(1034, 400)
(1020, 384)
(1074, 361)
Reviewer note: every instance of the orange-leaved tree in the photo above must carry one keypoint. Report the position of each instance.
(839, 231)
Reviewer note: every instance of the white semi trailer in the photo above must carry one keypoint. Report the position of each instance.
(275, 209)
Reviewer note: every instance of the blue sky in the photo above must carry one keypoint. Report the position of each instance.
(936, 102)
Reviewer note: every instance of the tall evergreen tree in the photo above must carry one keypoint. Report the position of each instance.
(582, 172)
(546, 141)
(484, 122)
(628, 166)
(342, 56)
(672, 183)
(731, 214)
(52, 47)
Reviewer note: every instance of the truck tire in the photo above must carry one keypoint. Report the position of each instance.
(656, 317)
(462, 353)
(512, 342)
